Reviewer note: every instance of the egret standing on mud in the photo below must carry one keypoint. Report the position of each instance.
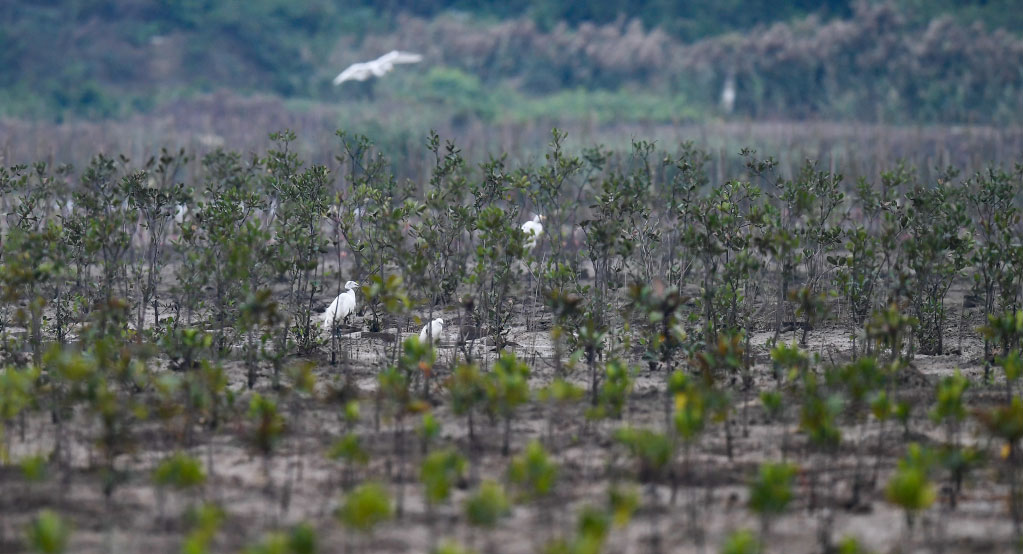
(533, 229)
(432, 331)
(342, 307)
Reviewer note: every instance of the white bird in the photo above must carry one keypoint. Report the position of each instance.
(728, 95)
(179, 213)
(342, 307)
(533, 229)
(376, 68)
(432, 330)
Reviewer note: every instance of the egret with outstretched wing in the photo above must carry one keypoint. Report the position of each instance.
(376, 68)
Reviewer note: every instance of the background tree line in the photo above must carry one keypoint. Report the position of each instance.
(900, 61)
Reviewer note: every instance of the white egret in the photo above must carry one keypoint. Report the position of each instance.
(179, 213)
(533, 229)
(432, 331)
(376, 68)
(342, 307)
(728, 95)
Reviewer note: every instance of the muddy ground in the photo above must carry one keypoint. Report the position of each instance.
(304, 485)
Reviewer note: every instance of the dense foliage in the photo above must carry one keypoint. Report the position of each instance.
(898, 61)
(674, 328)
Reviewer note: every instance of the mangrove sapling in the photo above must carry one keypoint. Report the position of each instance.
(860, 380)
(390, 295)
(703, 238)
(156, 198)
(18, 388)
(534, 476)
(1012, 365)
(659, 308)
(818, 419)
(48, 533)
(739, 219)
(204, 521)
(368, 187)
(890, 328)
(781, 245)
(937, 249)
(116, 412)
(349, 447)
(33, 194)
(893, 227)
(268, 428)
(566, 309)
(30, 261)
(619, 209)
(485, 508)
(302, 197)
(439, 473)
(468, 392)
(442, 226)
(856, 277)
(616, 387)
(679, 202)
(910, 488)
(451, 547)
(770, 494)
(788, 365)
(389, 235)
(364, 509)
(1007, 331)
(820, 195)
(300, 539)
(591, 339)
(219, 223)
(641, 243)
(690, 421)
(622, 502)
(429, 430)
(813, 307)
(179, 472)
(495, 269)
(950, 411)
(507, 388)
(300, 392)
(349, 450)
(67, 374)
(417, 361)
(395, 394)
(550, 191)
(742, 541)
(559, 395)
(725, 357)
(1005, 423)
(217, 402)
(992, 203)
(948, 407)
(258, 316)
(109, 223)
(654, 455)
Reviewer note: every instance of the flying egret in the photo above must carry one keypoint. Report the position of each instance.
(533, 229)
(376, 68)
(432, 330)
(342, 307)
